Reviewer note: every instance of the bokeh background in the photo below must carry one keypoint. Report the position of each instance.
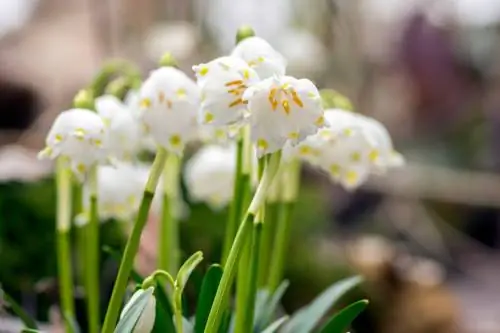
(427, 236)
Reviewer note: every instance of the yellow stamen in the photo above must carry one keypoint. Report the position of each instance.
(80, 134)
(234, 83)
(374, 155)
(305, 150)
(272, 99)
(293, 135)
(296, 99)
(351, 177)
(203, 70)
(320, 121)
(58, 138)
(81, 168)
(286, 106)
(175, 140)
(97, 142)
(236, 102)
(246, 74)
(208, 118)
(145, 103)
(262, 144)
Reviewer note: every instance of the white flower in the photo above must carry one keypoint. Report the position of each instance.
(209, 175)
(146, 320)
(132, 101)
(123, 134)
(261, 56)
(169, 102)
(283, 109)
(222, 82)
(79, 135)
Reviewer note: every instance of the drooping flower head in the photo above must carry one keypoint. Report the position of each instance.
(209, 175)
(79, 135)
(146, 320)
(282, 109)
(260, 56)
(222, 82)
(169, 102)
(123, 131)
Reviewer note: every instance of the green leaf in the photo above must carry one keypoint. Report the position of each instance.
(261, 302)
(304, 320)
(225, 322)
(30, 330)
(274, 302)
(18, 310)
(186, 269)
(341, 321)
(133, 310)
(164, 314)
(207, 294)
(274, 326)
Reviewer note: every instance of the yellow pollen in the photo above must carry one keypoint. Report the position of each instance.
(374, 155)
(234, 83)
(181, 92)
(236, 102)
(203, 70)
(145, 103)
(238, 90)
(272, 99)
(320, 121)
(335, 170)
(262, 144)
(208, 118)
(175, 140)
(81, 168)
(293, 135)
(286, 106)
(351, 177)
(161, 96)
(297, 99)
(59, 138)
(355, 157)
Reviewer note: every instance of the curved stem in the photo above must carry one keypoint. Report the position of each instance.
(133, 243)
(63, 224)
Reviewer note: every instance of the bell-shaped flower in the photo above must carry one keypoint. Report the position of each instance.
(261, 56)
(222, 83)
(79, 135)
(209, 175)
(123, 130)
(132, 101)
(283, 109)
(169, 103)
(145, 302)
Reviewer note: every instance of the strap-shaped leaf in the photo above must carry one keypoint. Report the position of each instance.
(274, 302)
(208, 290)
(341, 321)
(275, 325)
(133, 310)
(308, 317)
(186, 269)
(164, 313)
(18, 310)
(261, 301)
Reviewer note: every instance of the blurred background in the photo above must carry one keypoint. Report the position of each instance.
(426, 237)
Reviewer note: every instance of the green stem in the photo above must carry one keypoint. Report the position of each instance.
(132, 246)
(80, 230)
(266, 245)
(168, 244)
(254, 266)
(92, 257)
(222, 296)
(178, 312)
(290, 178)
(63, 183)
(236, 204)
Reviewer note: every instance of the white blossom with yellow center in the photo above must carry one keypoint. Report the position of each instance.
(209, 175)
(261, 56)
(123, 130)
(80, 136)
(222, 83)
(169, 103)
(282, 109)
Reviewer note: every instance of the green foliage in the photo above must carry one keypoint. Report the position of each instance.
(341, 321)
(206, 297)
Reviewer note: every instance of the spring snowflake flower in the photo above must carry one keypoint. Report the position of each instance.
(79, 135)
(123, 131)
(169, 103)
(283, 109)
(209, 175)
(146, 320)
(222, 82)
(260, 56)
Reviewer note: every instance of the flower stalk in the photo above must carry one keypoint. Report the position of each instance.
(290, 182)
(222, 296)
(92, 255)
(168, 244)
(63, 225)
(133, 243)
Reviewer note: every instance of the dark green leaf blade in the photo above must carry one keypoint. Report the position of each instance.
(341, 321)
(208, 290)
(18, 310)
(309, 316)
(164, 313)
